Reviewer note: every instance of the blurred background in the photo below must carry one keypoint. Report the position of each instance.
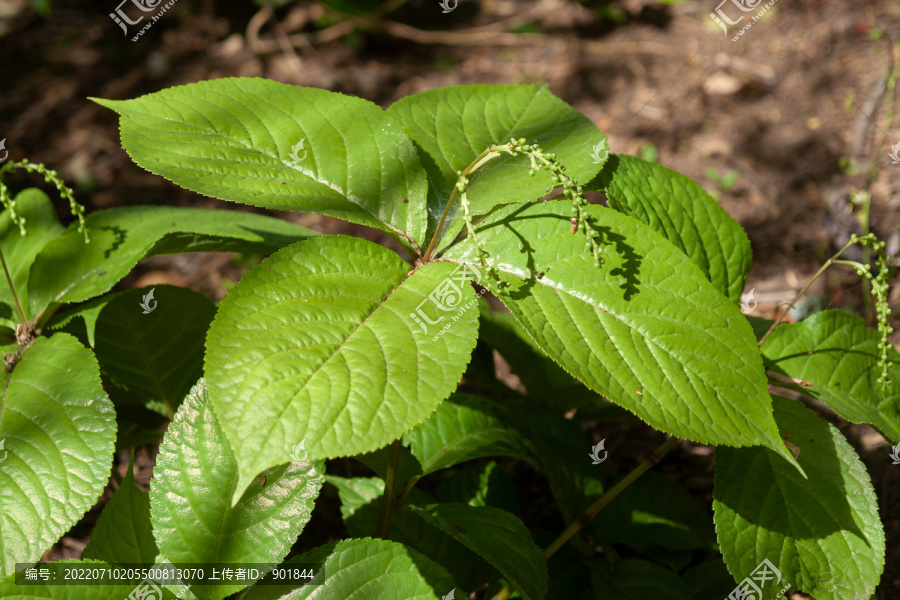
(790, 126)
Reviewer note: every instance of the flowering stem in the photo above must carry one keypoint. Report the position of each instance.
(799, 295)
(482, 158)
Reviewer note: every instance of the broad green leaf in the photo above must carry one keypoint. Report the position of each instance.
(360, 505)
(111, 590)
(123, 533)
(87, 312)
(823, 533)
(709, 580)
(356, 493)
(639, 518)
(465, 427)
(467, 567)
(646, 329)
(319, 343)
(499, 537)
(543, 378)
(481, 484)
(682, 211)
(41, 226)
(58, 429)
(365, 568)
(191, 493)
(149, 342)
(569, 575)
(407, 464)
(839, 355)
(564, 451)
(68, 270)
(453, 125)
(759, 325)
(280, 146)
(635, 579)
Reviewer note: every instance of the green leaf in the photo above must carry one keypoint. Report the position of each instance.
(564, 450)
(839, 355)
(355, 494)
(645, 329)
(360, 504)
(364, 568)
(319, 343)
(635, 579)
(823, 533)
(499, 537)
(108, 591)
(638, 519)
(407, 464)
(193, 483)
(481, 484)
(41, 6)
(543, 378)
(237, 138)
(58, 429)
(710, 580)
(88, 312)
(123, 533)
(149, 342)
(453, 125)
(68, 270)
(465, 427)
(41, 226)
(682, 211)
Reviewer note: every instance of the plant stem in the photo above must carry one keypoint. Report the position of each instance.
(12, 289)
(482, 158)
(590, 512)
(827, 264)
(386, 500)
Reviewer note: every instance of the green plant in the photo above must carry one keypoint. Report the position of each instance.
(338, 347)
(724, 183)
